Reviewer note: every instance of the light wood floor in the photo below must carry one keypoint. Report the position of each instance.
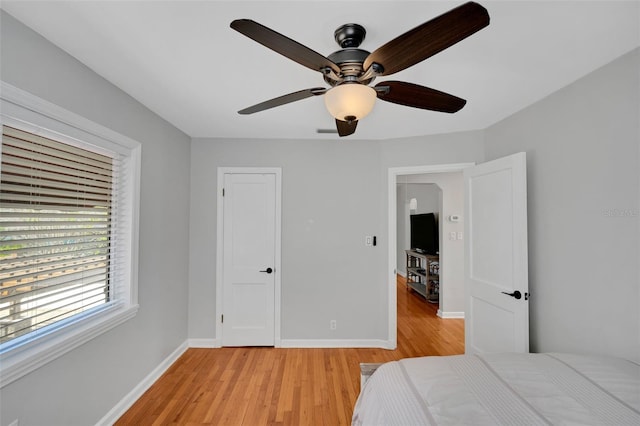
(275, 386)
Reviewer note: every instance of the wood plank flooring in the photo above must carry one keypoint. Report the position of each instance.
(276, 386)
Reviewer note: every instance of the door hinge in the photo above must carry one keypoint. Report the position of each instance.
(223, 192)
(222, 318)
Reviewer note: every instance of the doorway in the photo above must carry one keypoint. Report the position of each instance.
(248, 257)
(419, 227)
(410, 174)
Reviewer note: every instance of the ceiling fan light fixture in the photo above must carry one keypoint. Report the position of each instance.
(350, 101)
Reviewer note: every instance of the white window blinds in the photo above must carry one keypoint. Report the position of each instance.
(58, 232)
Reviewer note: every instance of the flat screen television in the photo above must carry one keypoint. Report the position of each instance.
(424, 233)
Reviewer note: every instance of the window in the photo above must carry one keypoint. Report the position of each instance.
(68, 231)
(56, 221)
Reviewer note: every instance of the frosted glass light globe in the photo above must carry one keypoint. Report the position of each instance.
(350, 101)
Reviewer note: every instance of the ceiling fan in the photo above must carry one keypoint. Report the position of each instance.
(350, 70)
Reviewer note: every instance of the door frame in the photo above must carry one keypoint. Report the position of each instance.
(277, 171)
(393, 173)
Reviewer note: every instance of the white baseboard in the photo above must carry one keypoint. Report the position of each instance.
(125, 403)
(333, 343)
(401, 273)
(447, 315)
(204, 343)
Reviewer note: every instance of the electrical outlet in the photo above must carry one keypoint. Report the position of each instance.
(368, 241)
(459, 235)
(333, 324)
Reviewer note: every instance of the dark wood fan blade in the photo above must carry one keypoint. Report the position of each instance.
(285, 99)
(417, 96)
(429, 38)
(283, 45)
(346, 128)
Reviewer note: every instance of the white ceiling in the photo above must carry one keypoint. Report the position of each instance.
(181, 59)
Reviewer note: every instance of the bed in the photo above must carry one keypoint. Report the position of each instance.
(508, 389)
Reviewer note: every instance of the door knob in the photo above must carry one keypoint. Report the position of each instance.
(268, 270)
(516, 294)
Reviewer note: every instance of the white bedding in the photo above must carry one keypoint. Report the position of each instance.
(507, 389)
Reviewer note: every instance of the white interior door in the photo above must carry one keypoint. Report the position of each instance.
(496, 264)
(249, 247)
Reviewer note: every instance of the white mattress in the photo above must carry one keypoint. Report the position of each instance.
(507, 389)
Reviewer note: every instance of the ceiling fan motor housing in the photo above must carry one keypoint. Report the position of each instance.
(350, 62)
(350, 58)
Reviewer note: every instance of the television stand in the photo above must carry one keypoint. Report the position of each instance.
(423, 275)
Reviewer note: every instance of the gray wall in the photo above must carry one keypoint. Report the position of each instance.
(583, 202)
(334, 194)
(80, 387)
(329, 204)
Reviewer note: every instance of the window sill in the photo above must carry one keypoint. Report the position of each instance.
(21, 360)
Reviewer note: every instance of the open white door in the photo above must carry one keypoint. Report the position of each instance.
(496, 264)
